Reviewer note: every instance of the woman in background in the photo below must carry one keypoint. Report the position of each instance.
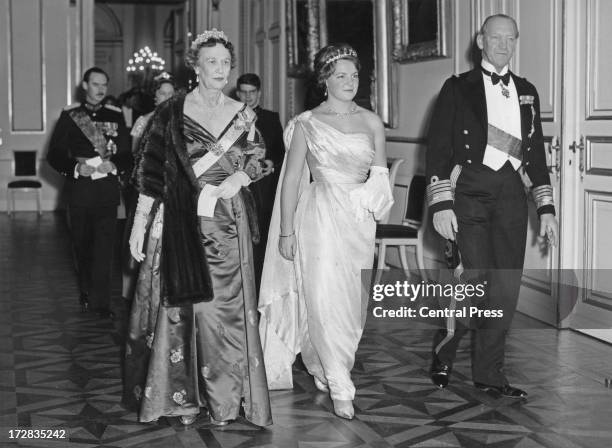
(311, 300)
(163, 89)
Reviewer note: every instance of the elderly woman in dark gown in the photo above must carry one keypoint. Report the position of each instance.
(193, 340)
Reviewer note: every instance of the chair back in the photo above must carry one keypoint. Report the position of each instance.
(25, 170)
(24, 179)
(25, 164)
(415, 208)
(393, 164)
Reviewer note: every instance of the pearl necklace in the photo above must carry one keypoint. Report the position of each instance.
(211, 110)
(351, 111)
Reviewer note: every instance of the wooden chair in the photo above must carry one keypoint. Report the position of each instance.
(25, 165)
(409, 233)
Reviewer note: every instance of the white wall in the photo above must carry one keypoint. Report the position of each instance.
(43, 54)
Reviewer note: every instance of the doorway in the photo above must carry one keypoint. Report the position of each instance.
(125, 31)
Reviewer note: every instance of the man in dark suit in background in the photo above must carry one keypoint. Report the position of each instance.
(269, 125)
(90, 148)
(485, 127)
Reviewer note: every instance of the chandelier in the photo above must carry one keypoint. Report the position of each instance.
(145, 60)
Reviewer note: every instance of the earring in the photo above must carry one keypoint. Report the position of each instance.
(197, 77)
(325, 93)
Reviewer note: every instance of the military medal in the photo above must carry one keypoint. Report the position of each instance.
(504, 90)
(111, 147)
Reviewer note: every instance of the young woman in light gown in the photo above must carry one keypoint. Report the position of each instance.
(322, 234)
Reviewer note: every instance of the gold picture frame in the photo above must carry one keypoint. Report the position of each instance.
(303, 36)
(307, 32)
(421, 29)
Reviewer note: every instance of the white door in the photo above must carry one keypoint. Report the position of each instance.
(587, 188)
(538, 58)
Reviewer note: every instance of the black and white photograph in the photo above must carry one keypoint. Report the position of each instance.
(305, 223)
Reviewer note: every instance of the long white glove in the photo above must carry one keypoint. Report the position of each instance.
(145, 203)
(232, 185)
(376, 195)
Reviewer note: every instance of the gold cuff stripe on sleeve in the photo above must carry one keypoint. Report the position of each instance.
(543, 195)
(439, 192)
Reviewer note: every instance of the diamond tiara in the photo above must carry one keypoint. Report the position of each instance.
(207, 35)
(162, 75)
(340, 55)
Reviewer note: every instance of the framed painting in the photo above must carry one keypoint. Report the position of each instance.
(421, 29)
(303, 36)
(363, 24)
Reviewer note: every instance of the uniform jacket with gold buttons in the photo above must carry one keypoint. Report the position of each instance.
(458, 136)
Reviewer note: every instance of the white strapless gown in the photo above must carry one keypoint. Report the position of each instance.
(317, 304)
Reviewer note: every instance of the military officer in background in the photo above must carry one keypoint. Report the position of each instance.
(90, 148)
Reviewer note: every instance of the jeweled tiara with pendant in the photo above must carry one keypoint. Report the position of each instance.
(206, 36)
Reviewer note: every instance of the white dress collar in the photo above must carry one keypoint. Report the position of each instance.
(489, 67)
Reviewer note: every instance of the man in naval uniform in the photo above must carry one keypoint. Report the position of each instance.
(90, 148)
(248, 89)
(485, 127)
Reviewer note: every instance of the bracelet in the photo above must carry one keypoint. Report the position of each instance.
(285, 236)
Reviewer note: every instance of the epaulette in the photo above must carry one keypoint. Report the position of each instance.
(72, 106)
(113, 108)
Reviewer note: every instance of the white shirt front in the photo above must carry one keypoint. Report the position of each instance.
(503, 113)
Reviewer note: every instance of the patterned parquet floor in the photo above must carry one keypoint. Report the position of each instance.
(60, 370)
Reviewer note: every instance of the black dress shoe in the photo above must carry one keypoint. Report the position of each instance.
(440, 372)
(505, 391)
(84, 301)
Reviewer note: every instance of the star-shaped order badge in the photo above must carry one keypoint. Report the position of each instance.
(243, 123)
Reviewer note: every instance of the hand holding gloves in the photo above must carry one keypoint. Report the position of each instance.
(232, 185)
(375, 194)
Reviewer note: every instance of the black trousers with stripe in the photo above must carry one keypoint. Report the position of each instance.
(491, 210)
